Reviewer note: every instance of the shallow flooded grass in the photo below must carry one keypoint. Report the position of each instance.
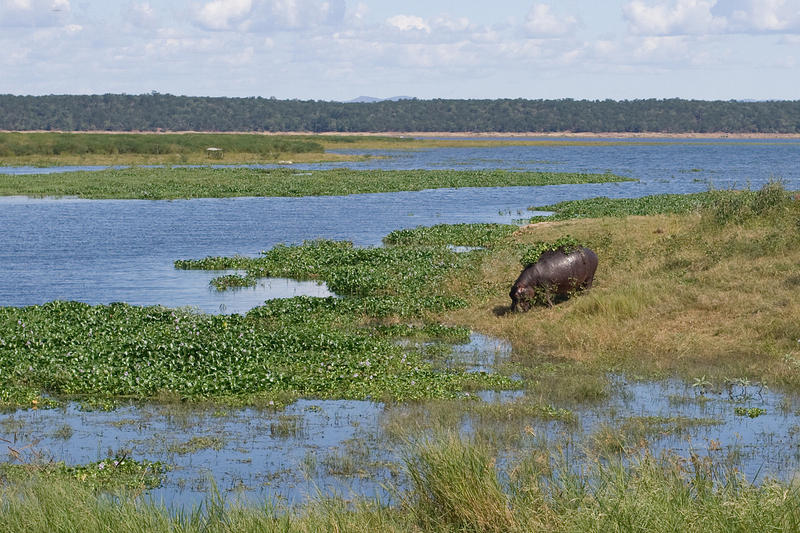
(353, 449)
(455, 484)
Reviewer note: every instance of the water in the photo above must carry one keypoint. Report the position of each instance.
(724, 162)
(341, 447)
(123, 250)
(251, 452)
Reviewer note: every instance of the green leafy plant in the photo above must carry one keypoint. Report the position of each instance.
(232, 281)
(752, 412)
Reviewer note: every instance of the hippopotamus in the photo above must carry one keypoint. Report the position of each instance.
(555, 272)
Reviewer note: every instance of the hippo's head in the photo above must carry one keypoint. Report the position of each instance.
(520, 298)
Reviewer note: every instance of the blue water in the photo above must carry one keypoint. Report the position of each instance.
(123, 250)
(101, 251)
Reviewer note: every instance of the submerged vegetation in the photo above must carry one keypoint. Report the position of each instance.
(456, 485)
(111, 474)
(208, 182)
(232, 281)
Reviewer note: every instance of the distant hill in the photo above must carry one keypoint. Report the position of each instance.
(165, 112)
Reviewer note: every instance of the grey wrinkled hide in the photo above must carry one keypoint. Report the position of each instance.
(554, 273)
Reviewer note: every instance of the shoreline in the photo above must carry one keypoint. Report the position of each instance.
(459, 135)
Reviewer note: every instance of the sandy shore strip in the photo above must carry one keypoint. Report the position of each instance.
(557, 134)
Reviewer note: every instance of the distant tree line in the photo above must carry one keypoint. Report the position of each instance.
(165, 112)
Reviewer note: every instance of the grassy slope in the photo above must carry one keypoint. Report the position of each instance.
(712, 293)
(205, 182)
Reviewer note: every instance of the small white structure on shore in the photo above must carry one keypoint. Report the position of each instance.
(214, 153)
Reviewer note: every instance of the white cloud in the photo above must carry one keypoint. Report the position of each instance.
(180, 47)
(243, 57)
(768, 16)
(268, 15)
(408, 23)
(359, 14)
(678, 17)
(223, 14)
(456, 24)
(142, 14)
(541, 22)
(661, 49)
(31, 13)
(177, 48)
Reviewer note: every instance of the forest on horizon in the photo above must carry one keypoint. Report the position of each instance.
(166, 112)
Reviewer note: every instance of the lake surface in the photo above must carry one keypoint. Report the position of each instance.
(343, 447)
(123, 250)
(101, 251)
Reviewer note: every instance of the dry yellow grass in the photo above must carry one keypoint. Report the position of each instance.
(672, 294)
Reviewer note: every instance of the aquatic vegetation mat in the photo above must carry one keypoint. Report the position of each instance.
(334, 347)
(207, 182)
(474, 235)
(74, 349)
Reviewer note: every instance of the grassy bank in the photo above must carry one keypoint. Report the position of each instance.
(456, 486)
(206, 182)
(703, 284)
(53, 148)
(56, 148)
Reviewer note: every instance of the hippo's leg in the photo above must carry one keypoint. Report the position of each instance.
(588, 283)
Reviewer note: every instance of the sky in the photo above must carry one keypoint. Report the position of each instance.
(342, 49)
